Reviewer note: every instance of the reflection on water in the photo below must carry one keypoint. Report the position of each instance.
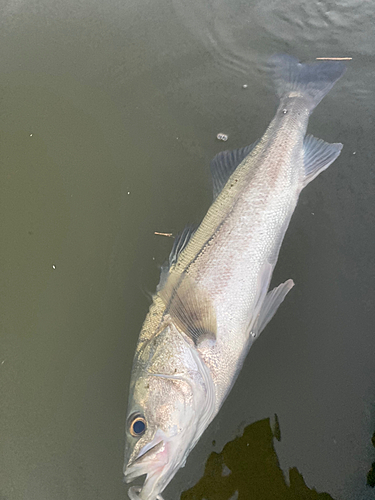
(371, 474)
(248, 467)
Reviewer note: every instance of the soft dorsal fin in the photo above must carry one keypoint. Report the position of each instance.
(225, 163)
(189, 307)
(179, 244)
(318, 155)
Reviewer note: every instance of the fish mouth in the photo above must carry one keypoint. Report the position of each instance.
(139, 465)
(158, 461)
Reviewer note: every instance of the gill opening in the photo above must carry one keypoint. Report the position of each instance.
(210, 399)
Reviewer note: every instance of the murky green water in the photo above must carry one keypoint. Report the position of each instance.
(109, 112)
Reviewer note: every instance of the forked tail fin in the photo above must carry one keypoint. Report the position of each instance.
(313, 81)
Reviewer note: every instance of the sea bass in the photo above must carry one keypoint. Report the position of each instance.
(212, 300)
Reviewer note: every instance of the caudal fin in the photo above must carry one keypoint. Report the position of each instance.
(311, 80)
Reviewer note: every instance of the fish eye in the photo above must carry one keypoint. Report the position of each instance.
(137, 425)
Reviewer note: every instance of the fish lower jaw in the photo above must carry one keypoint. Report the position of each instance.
(151, 488)
(131, 474)
(135, 491)
(157, 475)
(136, 470)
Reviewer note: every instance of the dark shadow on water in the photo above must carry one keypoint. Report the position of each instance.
(371, 474)
(248, 467)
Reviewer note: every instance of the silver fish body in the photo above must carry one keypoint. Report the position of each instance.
(212, 301)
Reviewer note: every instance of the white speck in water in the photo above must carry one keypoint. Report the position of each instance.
(153, 258)
(222, 137)
(3, 361)
(31, 135)
(285, 111)
(128, 192)
(244, 86)
(312, 213)
(354, 153)
(53, 266)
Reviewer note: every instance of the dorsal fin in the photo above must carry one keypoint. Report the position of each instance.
(225, 163)
(190, 307)
(179, 244)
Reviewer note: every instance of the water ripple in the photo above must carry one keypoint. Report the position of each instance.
(239, 32)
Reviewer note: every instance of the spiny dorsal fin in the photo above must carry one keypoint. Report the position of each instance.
(179, 244)
(189, 307)
(318, 155)
(164, 272)
(225, 163)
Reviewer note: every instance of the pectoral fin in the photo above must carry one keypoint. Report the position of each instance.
(270, 305)
(190, 308)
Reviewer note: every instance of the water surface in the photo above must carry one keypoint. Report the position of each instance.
(109, 113)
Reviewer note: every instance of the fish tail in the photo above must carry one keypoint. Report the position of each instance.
(313, 81)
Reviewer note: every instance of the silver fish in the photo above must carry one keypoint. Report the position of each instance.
(212, 301)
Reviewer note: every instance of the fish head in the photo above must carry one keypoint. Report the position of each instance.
(159, 431)
(166, 416)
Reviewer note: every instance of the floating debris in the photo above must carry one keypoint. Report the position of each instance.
(225, 471)
(222, 137)
(244, 86)
(170, 235)
(334, 58)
